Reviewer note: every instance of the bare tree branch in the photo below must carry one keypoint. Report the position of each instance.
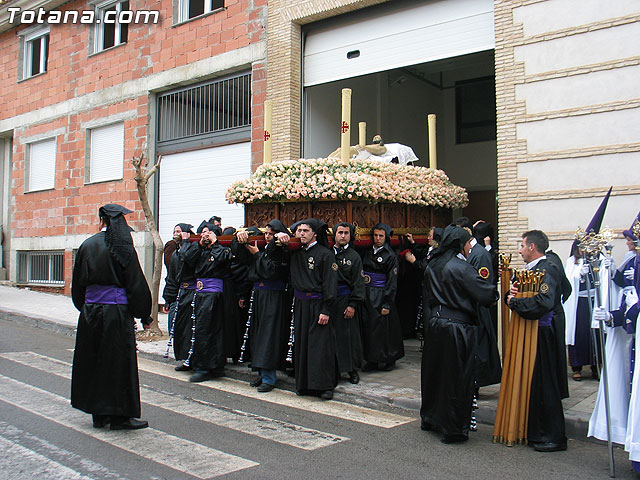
(142, 177)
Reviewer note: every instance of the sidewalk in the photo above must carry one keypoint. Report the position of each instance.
(398, 388)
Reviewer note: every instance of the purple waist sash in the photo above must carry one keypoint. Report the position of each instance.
(188, 285)
(307, 295)
(343, 290)
(545, 320)
(269, 285)
(377, 280)
(209, 285)
(105, 294)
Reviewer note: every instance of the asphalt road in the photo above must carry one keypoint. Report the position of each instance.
(224, 428)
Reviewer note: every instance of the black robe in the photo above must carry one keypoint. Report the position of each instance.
(314, 271)
(381, 334)
(347, 330)
(546, 415)
(173, 288)
(235, 288)
(447, 376)
(270, 309)
(181, 276)
(488, 367)
(104, 377)
(208, 348)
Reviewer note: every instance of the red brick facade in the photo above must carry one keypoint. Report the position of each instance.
(73, 74)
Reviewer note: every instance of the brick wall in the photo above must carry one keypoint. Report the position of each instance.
(150, 49)
(80, 89)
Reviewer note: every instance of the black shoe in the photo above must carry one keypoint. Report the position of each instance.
(595, 374)
(326, 395)
(370, 367)
(200, 377)
(265, 387)
(456, 438)
(426, 426)
(217, 373)
(129, 424)
(256, 382)
(389, 366)
(354, 377)
(300, 393)
(183, 368)
(100, 421)
(550, 447)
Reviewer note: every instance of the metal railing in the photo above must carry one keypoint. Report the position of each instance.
(212, 107)
(41, 267)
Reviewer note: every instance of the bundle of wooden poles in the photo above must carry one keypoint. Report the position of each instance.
(518, 362)
(505, 282)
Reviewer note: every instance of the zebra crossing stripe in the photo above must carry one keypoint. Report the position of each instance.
(16, 458)
(256, 425)
(341, 410)
(184, 456)
(335, 409)
(48, 452)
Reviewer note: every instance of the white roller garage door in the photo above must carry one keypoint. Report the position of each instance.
(193, 185)
(396, 35)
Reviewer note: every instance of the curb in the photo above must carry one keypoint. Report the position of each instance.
(38, 322)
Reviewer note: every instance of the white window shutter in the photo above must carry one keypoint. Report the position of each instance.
(107, 153)
(42, 165)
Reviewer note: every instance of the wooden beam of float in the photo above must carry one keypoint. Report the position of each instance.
(362, 134)
(433, 155)
(362, 239)
(345, 126)
(268, 112)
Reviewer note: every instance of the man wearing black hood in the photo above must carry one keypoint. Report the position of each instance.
(269, 309)
(178, 294)
(345, 316)
(171, 292)
(109, 289)
(454, 290)
(210, 262)
(488, 367)
(314, 276)
(382, 333)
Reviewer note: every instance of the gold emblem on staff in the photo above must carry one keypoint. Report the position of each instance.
(199, 285)
(544, 288)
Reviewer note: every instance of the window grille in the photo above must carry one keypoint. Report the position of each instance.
(219, 106)
(42, 268)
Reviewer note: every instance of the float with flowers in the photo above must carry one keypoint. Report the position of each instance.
(352, 187)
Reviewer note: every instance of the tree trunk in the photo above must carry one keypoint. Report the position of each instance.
(142, 179)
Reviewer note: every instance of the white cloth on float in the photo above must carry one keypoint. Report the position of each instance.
(404, 153)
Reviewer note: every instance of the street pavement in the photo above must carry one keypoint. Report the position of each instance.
(399, 388)
(223, 428)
